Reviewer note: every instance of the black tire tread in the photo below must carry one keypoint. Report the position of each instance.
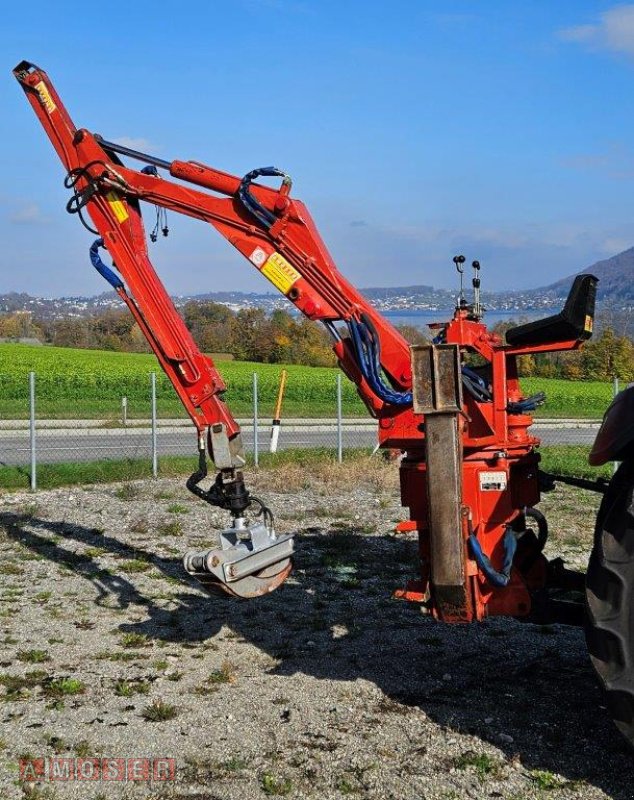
(610, 599)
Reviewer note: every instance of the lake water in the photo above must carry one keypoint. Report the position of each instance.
(421, 319)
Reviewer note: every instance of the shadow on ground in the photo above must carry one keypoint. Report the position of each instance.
(534, 682)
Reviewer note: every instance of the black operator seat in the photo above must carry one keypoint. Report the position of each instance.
(574, 321)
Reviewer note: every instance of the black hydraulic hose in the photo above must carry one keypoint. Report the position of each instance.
(542, 526)
(198, 476)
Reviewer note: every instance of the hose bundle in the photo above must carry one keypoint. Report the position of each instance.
(367, 348)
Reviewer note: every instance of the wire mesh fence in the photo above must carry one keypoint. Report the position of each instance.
(142, 423)
(88, 425)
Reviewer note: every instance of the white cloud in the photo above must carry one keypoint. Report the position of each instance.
(29, 214)
(613, 31)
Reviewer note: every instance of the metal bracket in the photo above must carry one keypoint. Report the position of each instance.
(226, 453)
(437, 394)
(436, 379)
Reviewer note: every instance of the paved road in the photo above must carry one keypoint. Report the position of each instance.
(81, 444)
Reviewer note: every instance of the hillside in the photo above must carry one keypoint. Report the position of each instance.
(616, 280)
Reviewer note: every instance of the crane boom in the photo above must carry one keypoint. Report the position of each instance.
(469, 475)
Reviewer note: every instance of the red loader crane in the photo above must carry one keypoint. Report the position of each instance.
(470, 474)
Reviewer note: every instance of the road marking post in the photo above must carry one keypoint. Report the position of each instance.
(154, 439)
(277, 414)
(339, 422)
(256, 448)
(32, 431)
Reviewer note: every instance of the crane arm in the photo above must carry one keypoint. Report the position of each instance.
(278, 237)
(272, 230)
(469, 476)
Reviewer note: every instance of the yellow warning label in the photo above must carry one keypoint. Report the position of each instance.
(281, 274)
(588, 325)
(117, 206)
(45, 96)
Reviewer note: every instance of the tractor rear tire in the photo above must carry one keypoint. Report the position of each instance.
(610, 599)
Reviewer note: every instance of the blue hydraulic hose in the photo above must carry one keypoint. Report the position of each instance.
(495, 578)
(368, 358)
(528, 404)
(113, 279)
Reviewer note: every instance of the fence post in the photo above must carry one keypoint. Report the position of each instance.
(615, 464)
(256, 447)
(339, 422)
(154, 441)
(32, 431)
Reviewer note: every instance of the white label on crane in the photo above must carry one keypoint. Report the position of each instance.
(258, 256)
(492, 481)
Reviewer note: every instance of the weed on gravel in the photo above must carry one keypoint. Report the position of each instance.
(33, 656)
(131, 640)
(159, 711)
(128, 491)
(17, 686)
(126, 688)
(273, 786)
(58, 688)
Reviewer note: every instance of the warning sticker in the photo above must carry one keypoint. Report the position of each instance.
(281, 274)
(588, 326)
(117, 206)
(45, 96)
(258, 256)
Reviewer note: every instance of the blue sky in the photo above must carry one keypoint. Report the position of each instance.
(413, 131)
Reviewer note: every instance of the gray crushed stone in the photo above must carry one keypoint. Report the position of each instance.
(327, 688)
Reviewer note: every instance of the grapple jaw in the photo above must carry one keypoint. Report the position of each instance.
(250, 562)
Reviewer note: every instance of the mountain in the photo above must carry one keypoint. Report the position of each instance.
(616, 280)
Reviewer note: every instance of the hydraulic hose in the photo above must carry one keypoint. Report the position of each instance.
(113, 279)
(495, 578)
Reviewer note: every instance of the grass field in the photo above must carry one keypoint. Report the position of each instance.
(90, 384)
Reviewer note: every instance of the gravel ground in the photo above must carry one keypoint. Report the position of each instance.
(324, 689)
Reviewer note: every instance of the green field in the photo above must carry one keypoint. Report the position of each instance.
(90, 383)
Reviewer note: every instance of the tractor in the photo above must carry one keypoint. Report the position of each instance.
(470, 473)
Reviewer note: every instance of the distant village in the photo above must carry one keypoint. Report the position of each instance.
(405, 299)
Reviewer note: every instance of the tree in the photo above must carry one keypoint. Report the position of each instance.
(72, 333)
(526, 366)
(210, 324)
(251, 335)
(608, 357)
(413, 334)
(19, 325)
